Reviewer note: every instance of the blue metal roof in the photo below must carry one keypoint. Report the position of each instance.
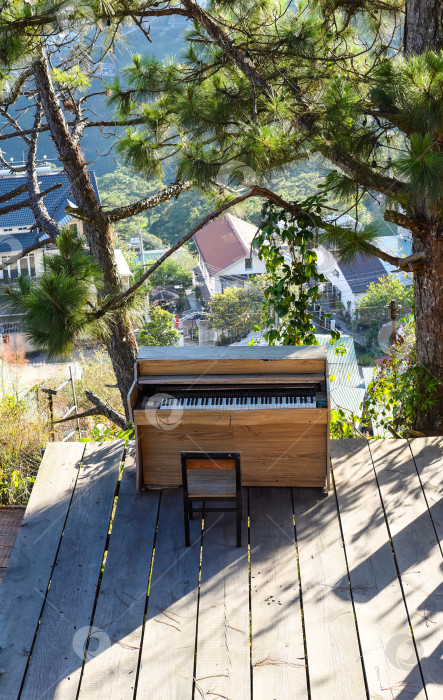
(343, 367)
(55, 201)
(15, 243)
(349, 399)
(361, 271)
(347, 385)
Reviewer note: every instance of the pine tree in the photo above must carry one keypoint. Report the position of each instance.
(355, 84)
(358, 85)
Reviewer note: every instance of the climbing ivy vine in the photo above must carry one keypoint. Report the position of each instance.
(285, 244)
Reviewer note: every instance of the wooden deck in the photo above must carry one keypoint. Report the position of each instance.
(334, 597)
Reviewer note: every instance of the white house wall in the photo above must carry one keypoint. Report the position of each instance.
(213, 281)
(238, 268)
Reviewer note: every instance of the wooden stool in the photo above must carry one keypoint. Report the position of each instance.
(211, 476)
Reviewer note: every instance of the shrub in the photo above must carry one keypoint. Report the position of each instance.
(159, 330)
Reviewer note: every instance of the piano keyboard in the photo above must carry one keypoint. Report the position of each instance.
(230, 401)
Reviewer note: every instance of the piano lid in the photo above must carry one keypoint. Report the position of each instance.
(232, 352)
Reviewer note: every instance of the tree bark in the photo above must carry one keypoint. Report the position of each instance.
(424, 31)
(121, 342)
(423, 26)
(428, 298)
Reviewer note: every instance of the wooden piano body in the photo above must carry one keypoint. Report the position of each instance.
(279, 447)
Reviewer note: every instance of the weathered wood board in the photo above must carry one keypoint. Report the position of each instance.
(417, 553)
(335, 667)
(213, 627)
(428, 457)
(23, 590)
(278, 656)
(167, 657)
(378, 599)
(56, 662)
(110, 670)
(223, 652)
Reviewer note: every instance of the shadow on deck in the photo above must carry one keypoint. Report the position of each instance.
(330, 597)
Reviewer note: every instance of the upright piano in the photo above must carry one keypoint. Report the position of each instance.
(271, 404)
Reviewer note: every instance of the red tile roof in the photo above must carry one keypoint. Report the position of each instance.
(224, 241)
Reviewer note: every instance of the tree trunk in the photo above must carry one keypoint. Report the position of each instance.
(428, 296)
(423, 25)
(121, 343)
(424, 30)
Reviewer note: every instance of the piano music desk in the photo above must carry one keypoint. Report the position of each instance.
(279, 446)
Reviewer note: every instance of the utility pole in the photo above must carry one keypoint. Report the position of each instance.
(393, 306)
(142, 252)
(142, 261)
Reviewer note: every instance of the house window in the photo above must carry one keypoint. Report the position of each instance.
(248, 263)
(4, 274)
(14, 271)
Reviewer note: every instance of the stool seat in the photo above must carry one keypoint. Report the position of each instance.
(211, 482)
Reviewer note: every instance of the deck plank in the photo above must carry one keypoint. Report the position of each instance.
(167, 656)
(54, 669)
(223, 651)
(418, 555)
(110, 674)
(32, 558)
(10, 521)
(278, 656)
(378, 599)
(334, 663)
(428, 457)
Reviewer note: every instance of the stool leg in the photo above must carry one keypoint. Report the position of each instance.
(239, 512)
(187, 536)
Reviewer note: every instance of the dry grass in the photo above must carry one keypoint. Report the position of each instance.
(24, 418)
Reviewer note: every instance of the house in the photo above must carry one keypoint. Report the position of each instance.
(18, 232)
(348, 281)
(353, 278)
(225, 255)
(17, 229)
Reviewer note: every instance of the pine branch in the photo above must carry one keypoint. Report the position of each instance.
(21, 189)
(100, 409)
(230, 49)
(42, 218)
(107, 410)
(16, 88)
(102, 123)
(148, 202)
(400, 219)
(361, 172)
(305, 120)
(413, 263)
(117, 300)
